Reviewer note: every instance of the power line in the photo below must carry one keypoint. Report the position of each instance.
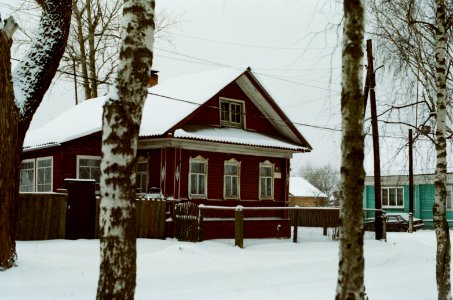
(198, 104)
(246, 45)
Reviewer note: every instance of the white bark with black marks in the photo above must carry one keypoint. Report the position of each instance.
(121, 123)
(443, 253)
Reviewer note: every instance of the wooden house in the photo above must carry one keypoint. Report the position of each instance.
(395, 195)
(303, 193)
(215, 138)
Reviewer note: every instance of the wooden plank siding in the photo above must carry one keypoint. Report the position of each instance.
(423, 202)
(41, 216)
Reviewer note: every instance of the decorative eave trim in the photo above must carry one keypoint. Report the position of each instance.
(215, 147)
(268, 111)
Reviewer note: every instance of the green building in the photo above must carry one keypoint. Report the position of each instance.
(395, 195)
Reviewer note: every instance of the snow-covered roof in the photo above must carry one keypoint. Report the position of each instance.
(300, 187)
(235, 136)
(167, 104)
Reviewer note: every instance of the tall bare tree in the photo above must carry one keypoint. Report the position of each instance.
(350, 283)
(325, 178)
(92, 53)
(121, 124)
(414, 36)
(20, 96)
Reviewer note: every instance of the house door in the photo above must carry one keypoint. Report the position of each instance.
(81, 211)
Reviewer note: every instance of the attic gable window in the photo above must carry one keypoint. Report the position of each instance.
(198, 173)
(231, 113)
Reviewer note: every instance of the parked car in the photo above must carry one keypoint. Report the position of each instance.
(397, 222)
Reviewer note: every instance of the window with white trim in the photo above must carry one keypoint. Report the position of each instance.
(266, 181)
(36, 175)
(89, 167)
(231, 179)
(141, 177)
(44, 174)
(392, 197)
(27, 176)
(449, 198)
(198, 175)
(231, 113)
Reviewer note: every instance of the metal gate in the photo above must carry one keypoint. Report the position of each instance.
(186, 222)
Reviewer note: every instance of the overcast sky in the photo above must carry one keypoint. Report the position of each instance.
(293, 46)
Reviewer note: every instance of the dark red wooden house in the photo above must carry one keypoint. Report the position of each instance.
(216, 138)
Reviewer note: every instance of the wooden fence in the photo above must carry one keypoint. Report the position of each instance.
(151, 215)
(41, 216)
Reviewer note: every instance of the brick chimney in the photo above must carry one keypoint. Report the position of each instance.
(153, 78)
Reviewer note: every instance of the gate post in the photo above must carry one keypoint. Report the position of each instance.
(239, 227)
(295, 225)
(200, 222)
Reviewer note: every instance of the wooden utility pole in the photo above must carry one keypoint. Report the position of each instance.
(411, 183)
(375, 131)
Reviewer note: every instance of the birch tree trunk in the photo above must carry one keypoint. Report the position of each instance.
(121, 123)
(443, 254)
(29, 81)
(350, 283)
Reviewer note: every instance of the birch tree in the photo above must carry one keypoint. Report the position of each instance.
(21, 93)
(414, 37)
(121, 123)
(443, 254)
(350, 284)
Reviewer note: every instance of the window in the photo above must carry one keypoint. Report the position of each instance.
(392, 197)
(36, 175)
(231, 113)
(266, 180)
(44, 174)
(27, 176)
(198, 177)
(141, 178)
(449, 199)
(231, 179)
(89, 167)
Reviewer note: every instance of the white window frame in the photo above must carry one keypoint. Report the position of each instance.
(266, 164)
(37, 168)
(388, 188)
(202, 160)
(33, 185)
(229, 177)
(142, 174)
(229, 122)
(92, 157)
(449, 199)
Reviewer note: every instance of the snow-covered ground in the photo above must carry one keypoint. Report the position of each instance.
(402, 268)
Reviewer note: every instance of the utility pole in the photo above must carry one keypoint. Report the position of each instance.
(375, 132)
(411, 184)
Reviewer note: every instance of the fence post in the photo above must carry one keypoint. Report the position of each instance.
(295, 224)
(384, 226)
(200, 222)
(239, 227)
(411, 223)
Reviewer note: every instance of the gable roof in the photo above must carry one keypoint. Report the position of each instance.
(167, 106)
(299, 187)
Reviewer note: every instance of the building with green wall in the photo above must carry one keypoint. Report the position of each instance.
(395, 195)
